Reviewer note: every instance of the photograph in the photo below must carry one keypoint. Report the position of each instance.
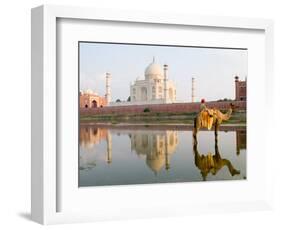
(151, 113)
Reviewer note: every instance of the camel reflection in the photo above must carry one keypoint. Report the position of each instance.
(156, 147)
(212, 163)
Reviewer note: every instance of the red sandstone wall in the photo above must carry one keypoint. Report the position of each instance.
(175, 108)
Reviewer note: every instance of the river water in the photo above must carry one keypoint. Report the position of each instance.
(144, 154)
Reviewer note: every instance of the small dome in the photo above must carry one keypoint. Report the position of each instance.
(153, 71)
(89, 91)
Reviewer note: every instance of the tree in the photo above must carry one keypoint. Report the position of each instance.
(146, 110)
(118, 100)
(129, 98)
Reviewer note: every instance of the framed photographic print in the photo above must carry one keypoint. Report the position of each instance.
(140, 114)
(138, 130)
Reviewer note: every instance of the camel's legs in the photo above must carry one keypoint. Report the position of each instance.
(231, 169)
(195, 130)
(216, 130)
(216, 144)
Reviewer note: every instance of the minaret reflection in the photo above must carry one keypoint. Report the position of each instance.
(109, 147)
(167, 157)
(211, 163)
(156, 146)
(89, 137)
(241, 140)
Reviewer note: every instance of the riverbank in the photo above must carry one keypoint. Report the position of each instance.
(237, 118)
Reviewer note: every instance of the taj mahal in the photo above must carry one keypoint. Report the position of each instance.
(153, 88)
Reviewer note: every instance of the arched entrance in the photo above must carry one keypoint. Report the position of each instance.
(171, 96)
(143, 93)
(94, 104)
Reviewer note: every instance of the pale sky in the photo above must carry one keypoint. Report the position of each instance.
(213, 69)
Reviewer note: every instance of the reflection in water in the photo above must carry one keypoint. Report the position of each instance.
(156, 147)
(241, 140)
(89, 137)
(211, 163)
(111, 155)
(109, 148)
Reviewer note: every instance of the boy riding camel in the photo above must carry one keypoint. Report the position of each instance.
(206, 115)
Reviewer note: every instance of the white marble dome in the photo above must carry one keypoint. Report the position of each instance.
(90, 92)
(154, 71)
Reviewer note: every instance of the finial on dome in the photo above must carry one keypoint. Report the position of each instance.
(153, 59)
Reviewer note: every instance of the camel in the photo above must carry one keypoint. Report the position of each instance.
(207, 118)
(212, 163)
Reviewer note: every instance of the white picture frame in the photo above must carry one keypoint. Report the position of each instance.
(45, 90)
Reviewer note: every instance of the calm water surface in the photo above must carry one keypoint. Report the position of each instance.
(115, 155)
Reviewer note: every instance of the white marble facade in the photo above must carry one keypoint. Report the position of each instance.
(154, 87)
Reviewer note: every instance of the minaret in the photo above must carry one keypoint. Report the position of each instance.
(165, 83)
(109, 147)
(192, 89)
(236, 88)
(108, 90)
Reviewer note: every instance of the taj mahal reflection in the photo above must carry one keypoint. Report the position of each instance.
(156, 146)
(110, 155)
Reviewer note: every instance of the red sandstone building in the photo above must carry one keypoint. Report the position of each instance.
(240, 90)
(89, 99)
